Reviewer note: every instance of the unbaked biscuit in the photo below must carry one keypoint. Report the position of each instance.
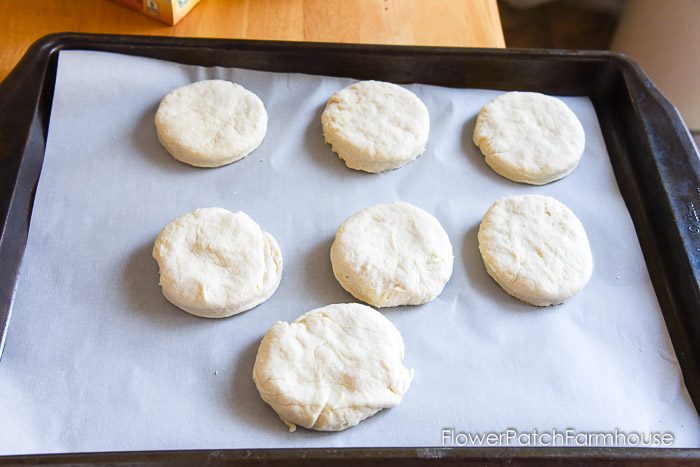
(211, 123)
(529, 137)
(536, 249)
(332, 367)
(376, 126)
(392, 254)
(215, 263)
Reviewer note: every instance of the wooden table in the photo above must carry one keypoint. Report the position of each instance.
(462, 23)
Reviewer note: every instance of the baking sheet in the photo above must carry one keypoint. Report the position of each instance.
(98, 360)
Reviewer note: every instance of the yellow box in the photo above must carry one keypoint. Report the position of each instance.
(167, 11)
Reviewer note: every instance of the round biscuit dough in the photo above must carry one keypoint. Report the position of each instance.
(392, 254)
(536, 249)
(376, 126)
(215, 263)
(332, 367)
(211, 123)
(529, 137)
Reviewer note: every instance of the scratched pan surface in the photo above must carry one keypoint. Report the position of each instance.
(653, 156)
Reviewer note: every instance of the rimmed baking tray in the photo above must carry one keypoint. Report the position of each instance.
(652, 154)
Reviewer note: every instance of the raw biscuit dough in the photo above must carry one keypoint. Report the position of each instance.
(215, 263)
(332, 367)
(536, 249)
(211, 123)
(392, 254)
(376, 126)
(529, 137)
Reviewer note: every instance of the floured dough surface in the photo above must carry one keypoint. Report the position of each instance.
(536, 249)
(529, 137)
(392, 254)
(332, 367)
(215, 263)
(211, 123)
(376, 126)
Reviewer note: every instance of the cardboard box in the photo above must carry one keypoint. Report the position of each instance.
(167, 11)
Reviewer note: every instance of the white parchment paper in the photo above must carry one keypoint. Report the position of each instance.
(97, 359)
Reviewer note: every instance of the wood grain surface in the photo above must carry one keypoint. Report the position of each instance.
(460, 23)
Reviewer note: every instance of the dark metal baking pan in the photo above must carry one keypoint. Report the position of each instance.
(654, 159)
